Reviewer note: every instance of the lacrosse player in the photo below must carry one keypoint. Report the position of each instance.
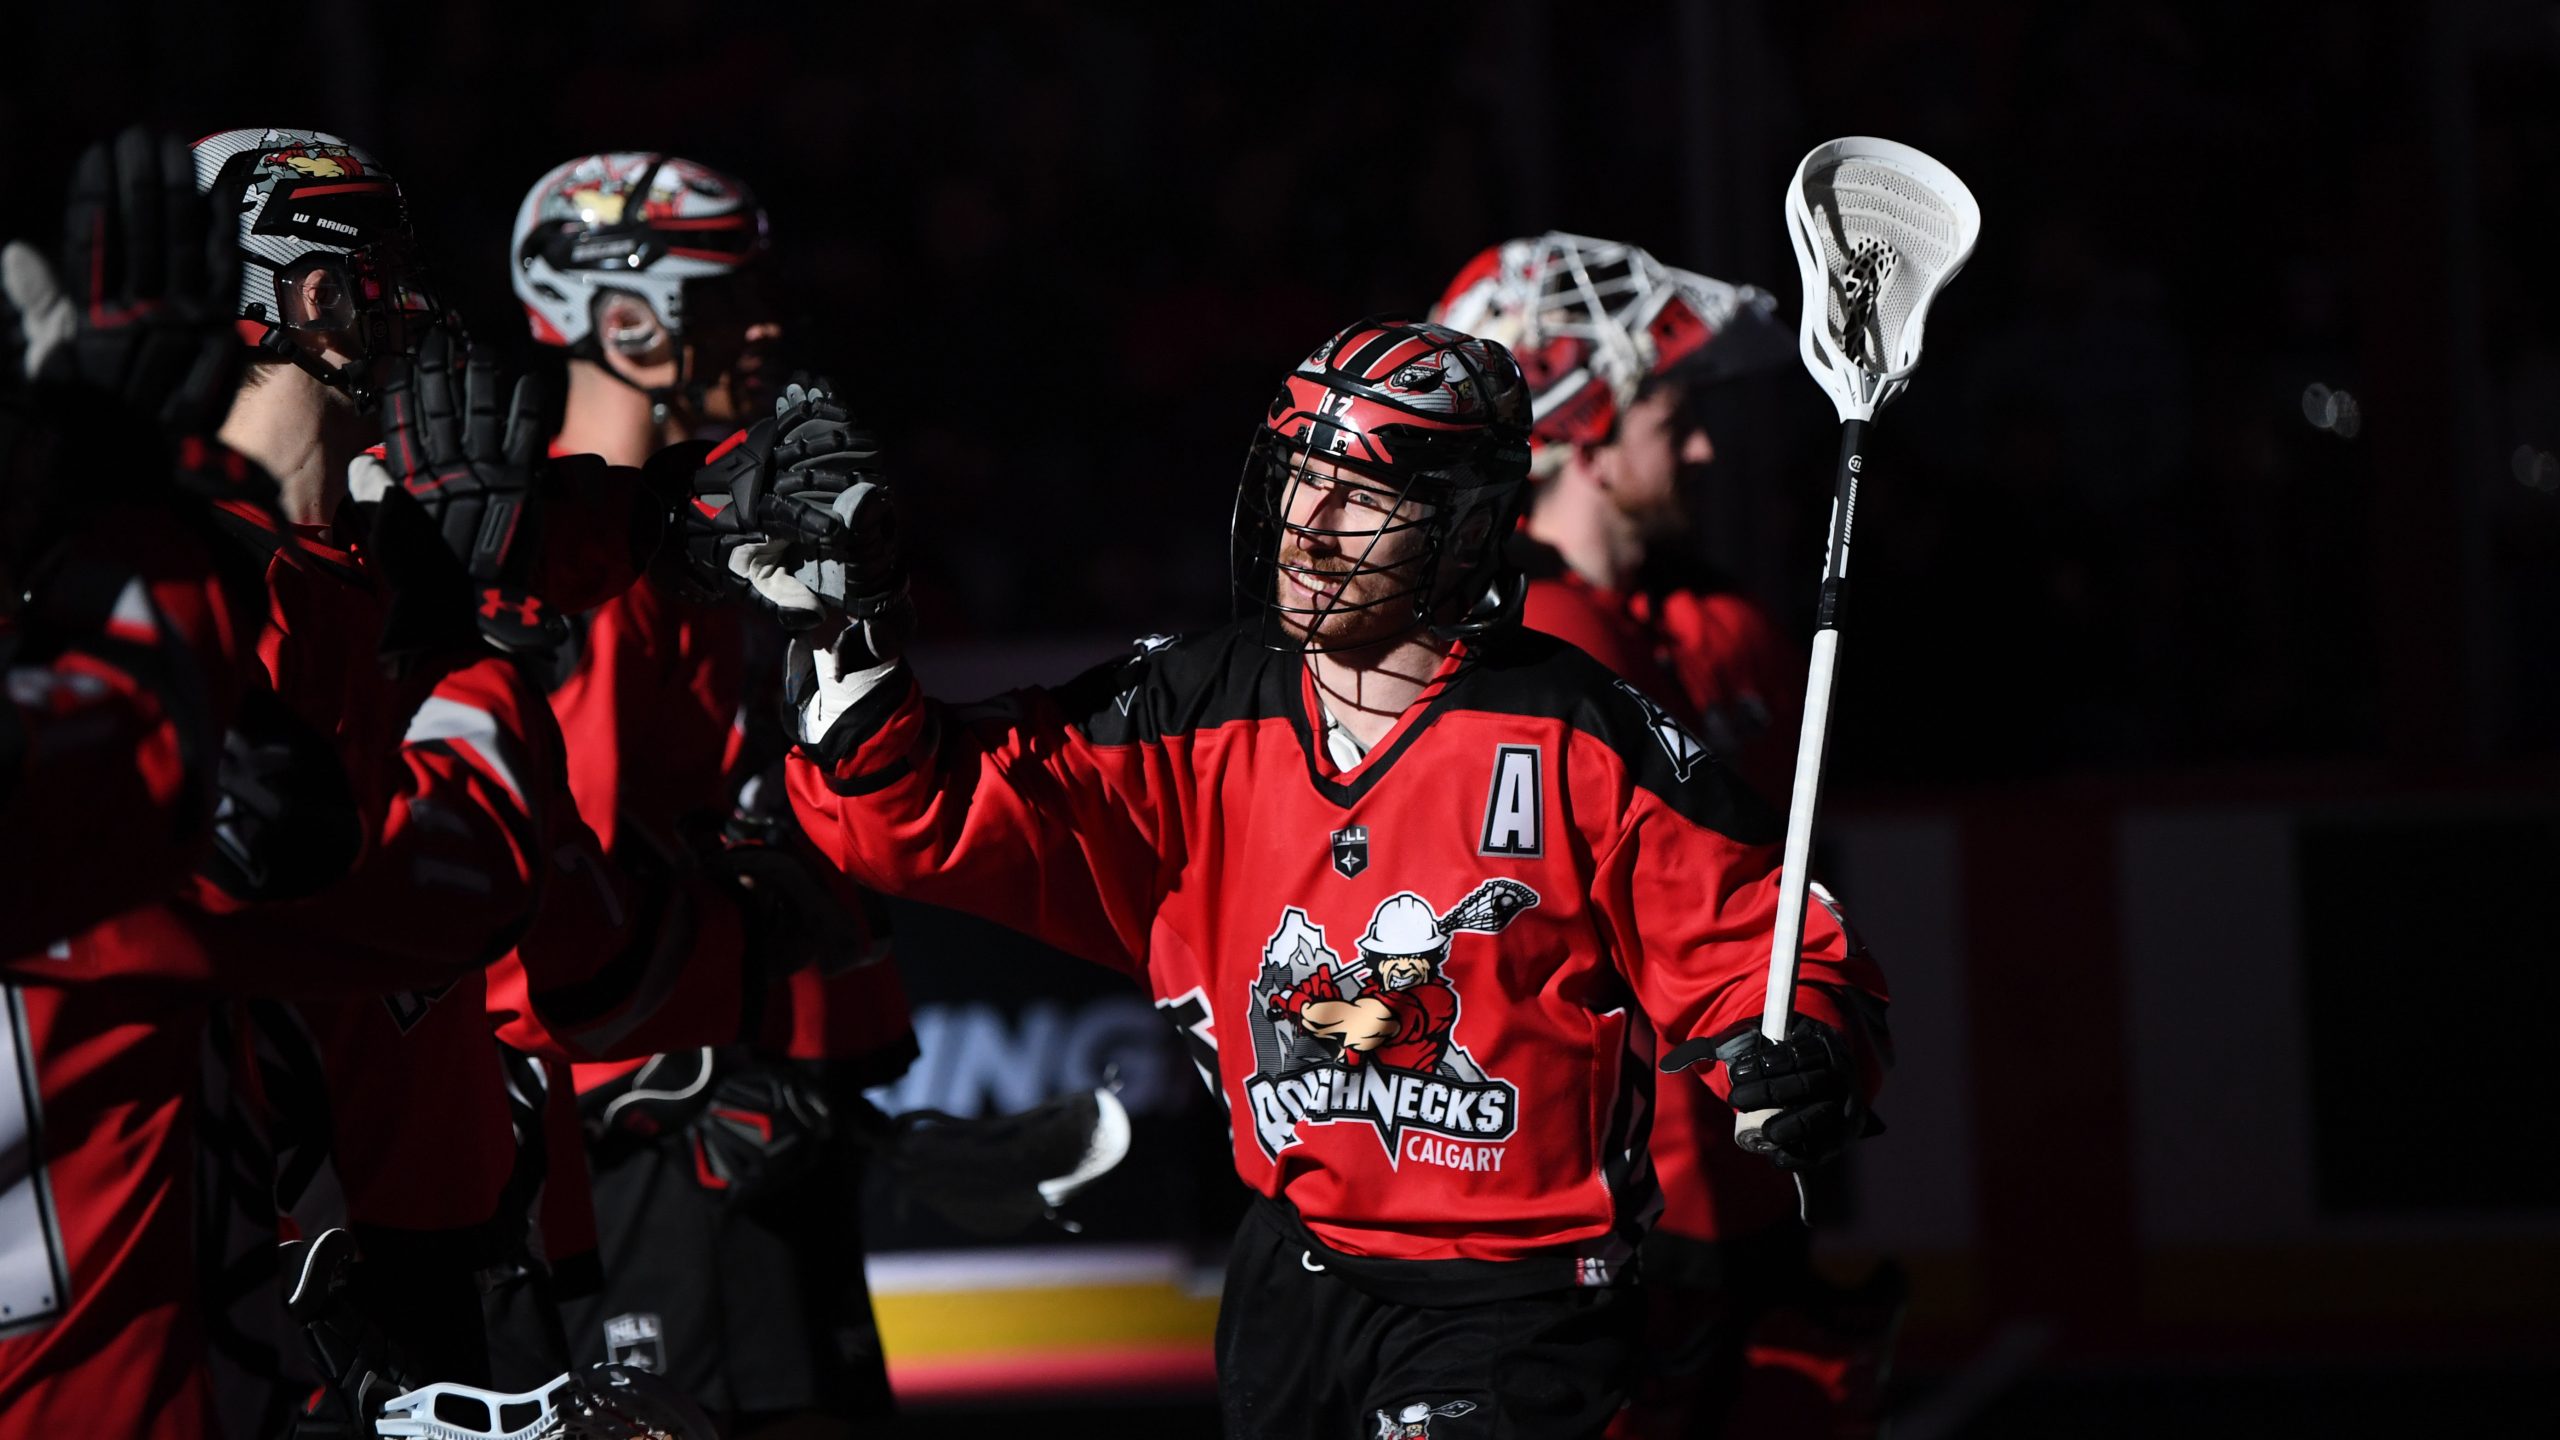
(725, 1240)
(1417, 886)
(1618, 350)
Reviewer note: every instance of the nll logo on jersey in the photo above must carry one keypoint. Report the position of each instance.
(1375, 1041)
(1683, 748)
(1351, 850)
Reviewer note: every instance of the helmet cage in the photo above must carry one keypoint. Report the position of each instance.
(369, 297)
(1593, 322)
(1274, 471)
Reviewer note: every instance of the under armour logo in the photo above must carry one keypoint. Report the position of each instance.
(526, 608)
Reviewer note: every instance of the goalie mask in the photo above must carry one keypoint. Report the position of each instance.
(1592, 322)
(1427, 430)
(682, 238)
(325, 249)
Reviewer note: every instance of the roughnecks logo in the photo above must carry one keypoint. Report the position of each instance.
(1372, 1041)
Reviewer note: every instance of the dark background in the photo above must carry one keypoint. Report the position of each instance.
(2231, 464)
(1062, 254)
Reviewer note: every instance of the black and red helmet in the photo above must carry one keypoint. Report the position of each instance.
(1440, 419)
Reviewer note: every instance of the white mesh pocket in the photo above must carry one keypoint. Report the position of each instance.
(1879, 227)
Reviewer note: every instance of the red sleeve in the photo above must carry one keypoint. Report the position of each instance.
(111, 726)
(613, 970)
(1006, 809)
(632, 951)
(651, 712)
(1426, 1009)
(454, 875)
(1688, 909)
(451, 873)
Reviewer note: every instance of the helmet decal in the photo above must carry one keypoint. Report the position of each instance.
(632, 221)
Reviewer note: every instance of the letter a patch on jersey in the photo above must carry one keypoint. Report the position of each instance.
(1514, 805)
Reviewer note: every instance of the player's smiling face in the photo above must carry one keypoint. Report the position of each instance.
(1351, 557)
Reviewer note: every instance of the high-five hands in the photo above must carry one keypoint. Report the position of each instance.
(796, 510)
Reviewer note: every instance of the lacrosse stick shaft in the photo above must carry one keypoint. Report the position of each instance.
(1795, 874)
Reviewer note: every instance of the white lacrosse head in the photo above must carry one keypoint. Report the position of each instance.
(451, 1411)
(1879, 229)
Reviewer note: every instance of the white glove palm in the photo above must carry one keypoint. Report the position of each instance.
(766, 566)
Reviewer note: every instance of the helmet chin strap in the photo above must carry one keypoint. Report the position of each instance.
(277, 343)
(662, 398)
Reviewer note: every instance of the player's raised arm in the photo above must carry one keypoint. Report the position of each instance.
(1687, 884)
(1042, 810)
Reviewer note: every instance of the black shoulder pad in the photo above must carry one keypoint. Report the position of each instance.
(1171, 685)
(1531, 673)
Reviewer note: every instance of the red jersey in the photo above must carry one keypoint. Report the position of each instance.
(1595, 875)
(1712, 655)
(651, 711)
(100, 1332)
(651, 715)
(120, 676)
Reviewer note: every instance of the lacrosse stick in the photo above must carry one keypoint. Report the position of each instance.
(1879, 229)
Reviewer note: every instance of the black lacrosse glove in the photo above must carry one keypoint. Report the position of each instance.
(466, 451)
(997, 1175)
(109, 352)
(777, 493)
(137, 313)
(347, 1349)
(469, 455)
(1811, 1080)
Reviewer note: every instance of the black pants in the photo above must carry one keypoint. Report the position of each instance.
(1307, 1353)
(756, 1309)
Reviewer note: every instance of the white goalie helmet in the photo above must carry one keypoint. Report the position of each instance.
(633, 221)
(1591, 321)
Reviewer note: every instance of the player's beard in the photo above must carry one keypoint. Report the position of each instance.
(1370, 607)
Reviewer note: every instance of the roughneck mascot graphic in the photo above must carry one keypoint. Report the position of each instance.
(1372, 1041)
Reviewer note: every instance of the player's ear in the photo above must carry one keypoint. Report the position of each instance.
(634, 337)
